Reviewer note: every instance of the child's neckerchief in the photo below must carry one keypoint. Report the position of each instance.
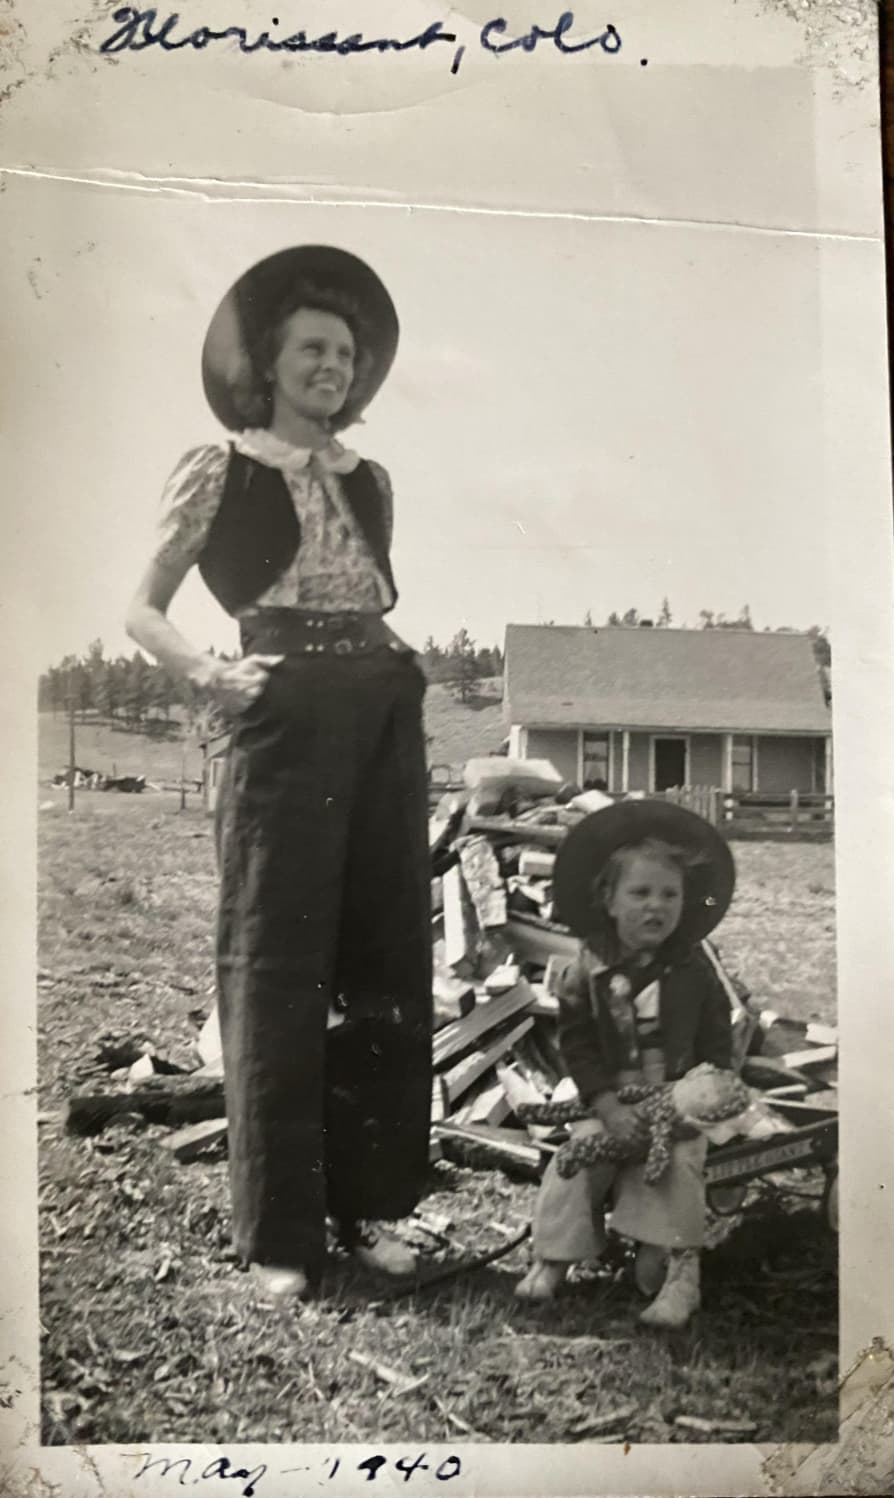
(613, 991)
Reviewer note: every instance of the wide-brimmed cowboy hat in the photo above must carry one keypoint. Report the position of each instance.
(710, 876)
(235, 387)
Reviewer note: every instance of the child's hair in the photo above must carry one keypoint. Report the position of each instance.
(603, 937)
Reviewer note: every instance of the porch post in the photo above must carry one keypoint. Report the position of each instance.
(727, 771)
(828, 788)
(579, 776)
(625, 760)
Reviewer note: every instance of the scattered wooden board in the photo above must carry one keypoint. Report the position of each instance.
(821, 1055)
(455, 928)
(172, 1100)
(486, 1015)
(466, 1072)
(821, 1034)
(503, 1148)
(715, 1425)
(187, 1144)
(536, 940)
(490, 1106)
(453, 998)
(595, 1424)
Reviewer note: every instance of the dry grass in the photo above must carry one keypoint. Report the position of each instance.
(153, 1334)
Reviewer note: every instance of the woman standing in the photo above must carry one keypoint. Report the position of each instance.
(323, 938)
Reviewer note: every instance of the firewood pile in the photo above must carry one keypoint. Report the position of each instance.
(498, 957)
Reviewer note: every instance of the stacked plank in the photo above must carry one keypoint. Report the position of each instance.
(499, 953)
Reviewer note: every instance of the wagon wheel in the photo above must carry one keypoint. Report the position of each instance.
(726, 1201)
(830, 1198)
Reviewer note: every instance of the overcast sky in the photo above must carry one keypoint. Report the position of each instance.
(583, 413)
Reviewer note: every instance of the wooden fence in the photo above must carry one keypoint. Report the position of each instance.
(703, 799)
(757, 813)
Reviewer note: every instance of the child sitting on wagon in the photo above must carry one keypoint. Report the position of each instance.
(641, 883)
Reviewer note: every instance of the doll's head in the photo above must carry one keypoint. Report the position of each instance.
(638, 899)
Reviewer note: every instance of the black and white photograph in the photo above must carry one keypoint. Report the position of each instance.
(441, 587)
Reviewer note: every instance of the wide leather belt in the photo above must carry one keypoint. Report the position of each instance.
(303, 632)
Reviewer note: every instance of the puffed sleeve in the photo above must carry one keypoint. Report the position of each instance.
(383, 480)
(189, 502)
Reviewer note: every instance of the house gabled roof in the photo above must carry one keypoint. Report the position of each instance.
(727, 680)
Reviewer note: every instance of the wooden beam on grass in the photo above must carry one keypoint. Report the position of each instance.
(188, 1144)
(172, 1100)
(486, 1015)
(466, 1072)
(476, 1144)
(821, 1055)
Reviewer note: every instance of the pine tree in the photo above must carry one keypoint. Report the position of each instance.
(461, 671)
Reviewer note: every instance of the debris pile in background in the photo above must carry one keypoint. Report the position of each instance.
(499, 954)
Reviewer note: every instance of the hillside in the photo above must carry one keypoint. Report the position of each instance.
(456, 732)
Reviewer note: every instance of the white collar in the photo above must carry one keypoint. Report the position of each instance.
(275, 452)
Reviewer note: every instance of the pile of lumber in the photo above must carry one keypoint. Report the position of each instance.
(499, 954)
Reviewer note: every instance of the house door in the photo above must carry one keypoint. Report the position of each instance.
(670, 763)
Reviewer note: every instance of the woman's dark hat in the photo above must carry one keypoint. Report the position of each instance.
(233, 387)
(585, 851)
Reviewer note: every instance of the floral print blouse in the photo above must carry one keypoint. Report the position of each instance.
(333, 569)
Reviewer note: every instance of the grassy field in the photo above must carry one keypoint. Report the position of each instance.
(151, 1333)
(456, 731)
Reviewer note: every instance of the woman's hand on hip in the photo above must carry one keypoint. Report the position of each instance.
(235, 685)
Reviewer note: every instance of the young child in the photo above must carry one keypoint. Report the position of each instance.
(641, 882)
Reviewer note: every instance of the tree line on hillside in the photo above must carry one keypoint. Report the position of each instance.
(137, 692)
(129, 690)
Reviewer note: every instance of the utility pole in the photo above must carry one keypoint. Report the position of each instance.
(71, 746)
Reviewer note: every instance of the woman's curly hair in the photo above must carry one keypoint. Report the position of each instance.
(255, 397)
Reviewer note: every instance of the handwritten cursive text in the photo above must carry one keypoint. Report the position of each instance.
(137, 30)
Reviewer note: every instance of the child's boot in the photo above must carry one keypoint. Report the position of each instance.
(680, 1294)
(542, 1280)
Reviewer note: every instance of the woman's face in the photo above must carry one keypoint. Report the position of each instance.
(647, 903)
(314, 368)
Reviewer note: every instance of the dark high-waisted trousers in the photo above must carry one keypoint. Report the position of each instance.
(325, 899)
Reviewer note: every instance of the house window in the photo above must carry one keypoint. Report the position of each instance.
(743, 763)
(595, 761)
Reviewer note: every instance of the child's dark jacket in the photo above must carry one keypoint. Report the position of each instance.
(695, 1021)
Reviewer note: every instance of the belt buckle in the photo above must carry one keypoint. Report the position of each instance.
(343, 647)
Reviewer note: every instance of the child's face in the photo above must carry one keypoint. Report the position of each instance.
(647, 903)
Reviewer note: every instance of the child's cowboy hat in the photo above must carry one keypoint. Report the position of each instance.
(710, 880)
(235, 387)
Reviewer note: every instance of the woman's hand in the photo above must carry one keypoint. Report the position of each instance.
(235, 685)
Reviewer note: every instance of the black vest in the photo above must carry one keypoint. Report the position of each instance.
(255, 533)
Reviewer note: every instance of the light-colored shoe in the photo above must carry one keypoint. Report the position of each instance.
(542, 1280)
(680, 1295)
(280, 1282)
(382, 1251)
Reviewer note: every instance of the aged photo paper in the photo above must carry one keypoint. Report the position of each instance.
(635, 434)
